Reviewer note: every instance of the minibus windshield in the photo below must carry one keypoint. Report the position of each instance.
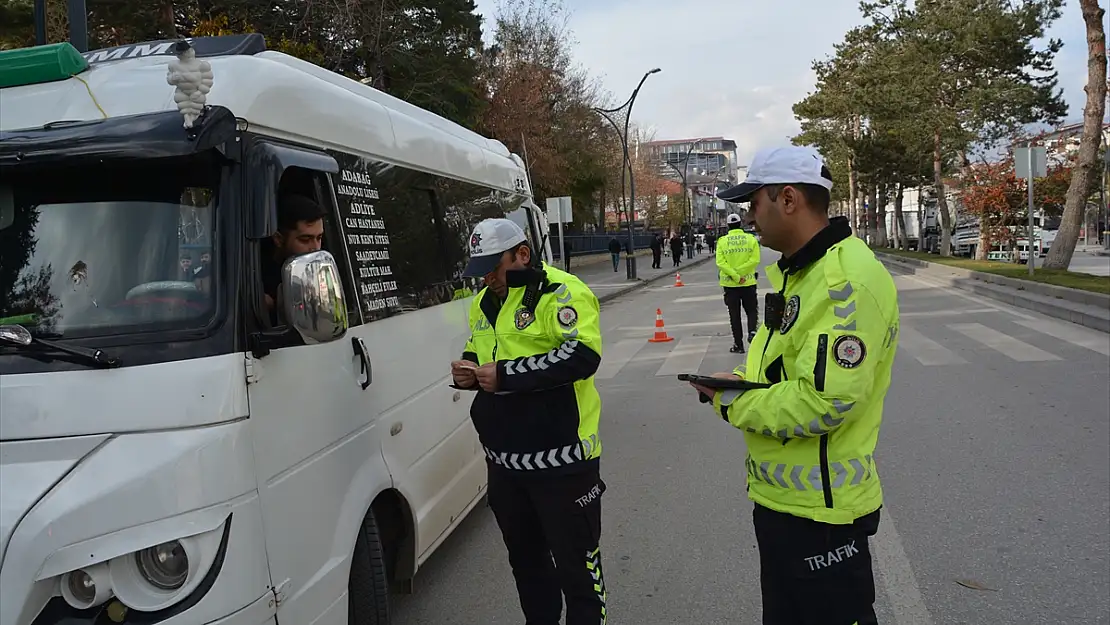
(116, 249)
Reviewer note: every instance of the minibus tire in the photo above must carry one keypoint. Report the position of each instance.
(368, 587)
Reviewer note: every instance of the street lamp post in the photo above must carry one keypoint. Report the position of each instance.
(619, 117)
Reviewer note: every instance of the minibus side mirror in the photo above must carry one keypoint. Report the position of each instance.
(312, 291)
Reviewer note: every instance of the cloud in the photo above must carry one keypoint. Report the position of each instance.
(735, 68)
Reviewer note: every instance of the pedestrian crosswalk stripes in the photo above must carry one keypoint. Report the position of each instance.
(932, 314)
(931, 345)
(925, 350)
(617, 356)
(700, 298)
(686, 357)
(1076, 335)
(693, 324)
(1008, 345)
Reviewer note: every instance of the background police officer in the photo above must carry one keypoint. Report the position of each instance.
(737, 260)
(826, 348)
(534, 347)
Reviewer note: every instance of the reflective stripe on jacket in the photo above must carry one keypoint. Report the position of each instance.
(737, 258)
(811, 437)
(544, 416)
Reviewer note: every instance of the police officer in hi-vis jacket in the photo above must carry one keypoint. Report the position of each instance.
(825, 349)
(535, 344)
(737, 263)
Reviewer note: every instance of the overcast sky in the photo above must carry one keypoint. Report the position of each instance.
(735, 67)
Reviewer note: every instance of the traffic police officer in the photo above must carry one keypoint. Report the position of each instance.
(737, 260)
(534, 347)
(826, 348)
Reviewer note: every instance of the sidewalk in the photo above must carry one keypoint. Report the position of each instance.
(607, 284)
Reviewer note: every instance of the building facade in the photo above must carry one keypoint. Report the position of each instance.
(704, 166)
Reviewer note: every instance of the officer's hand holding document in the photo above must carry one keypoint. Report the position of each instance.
(487, 377)
(463, 373)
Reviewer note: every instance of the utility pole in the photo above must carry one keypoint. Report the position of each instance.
(78, 24)
(40, 22)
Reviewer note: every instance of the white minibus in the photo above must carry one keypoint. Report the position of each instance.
(172, 453)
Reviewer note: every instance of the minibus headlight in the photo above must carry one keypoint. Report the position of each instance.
(164, 566)
(86, 588)
(147, 580)
(157, 577)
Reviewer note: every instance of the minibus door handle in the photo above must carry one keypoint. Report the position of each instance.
(364, 355)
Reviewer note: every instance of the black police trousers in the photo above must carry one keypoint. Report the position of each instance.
(735, 298)
(552, 530)
(815, 573)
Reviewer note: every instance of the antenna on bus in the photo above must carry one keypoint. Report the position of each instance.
(527, 167)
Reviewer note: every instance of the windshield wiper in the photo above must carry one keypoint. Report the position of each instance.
(19, 337)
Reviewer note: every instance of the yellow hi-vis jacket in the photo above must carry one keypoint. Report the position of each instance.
(737, 258)
(811, 436)
(546, 340)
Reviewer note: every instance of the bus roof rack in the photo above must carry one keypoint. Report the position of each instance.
(46, 63)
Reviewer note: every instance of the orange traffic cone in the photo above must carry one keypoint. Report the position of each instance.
(678, 279)
(660, 333)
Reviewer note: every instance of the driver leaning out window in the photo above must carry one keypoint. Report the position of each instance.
(300, 231)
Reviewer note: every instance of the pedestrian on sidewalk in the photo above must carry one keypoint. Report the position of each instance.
(656, 251)
(566, 254)
(531, 357)
(676, 250)
(826, 347)
(615, 253)
(737, 260)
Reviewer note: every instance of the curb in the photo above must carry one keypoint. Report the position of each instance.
(1084, 308)
(641, 283)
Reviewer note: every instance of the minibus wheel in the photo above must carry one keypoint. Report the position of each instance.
(368, 587)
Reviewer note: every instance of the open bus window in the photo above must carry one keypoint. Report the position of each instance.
(118, 249)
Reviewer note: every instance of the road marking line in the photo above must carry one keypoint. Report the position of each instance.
(700, 298)
(609, 286)
(687, 285)
(896, 572)
(617, 356)
(925, 350)
(1008, 345)
(686, 357)
(668, 326)
(956, 292)
(944, 313)
(1076, 335)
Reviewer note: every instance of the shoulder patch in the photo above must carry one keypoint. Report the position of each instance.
(567, 316)
(849, 351)
(790, 313)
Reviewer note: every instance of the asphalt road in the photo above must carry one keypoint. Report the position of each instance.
(994, 455)
(1085, 261)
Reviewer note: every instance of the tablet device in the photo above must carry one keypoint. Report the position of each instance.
(718, 383)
